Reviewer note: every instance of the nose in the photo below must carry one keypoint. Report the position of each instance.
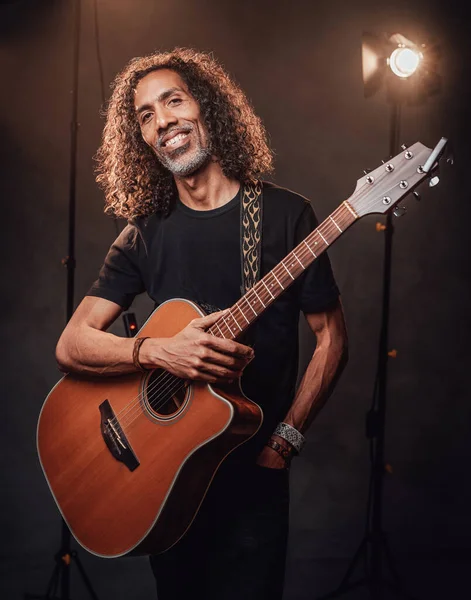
(164, 118)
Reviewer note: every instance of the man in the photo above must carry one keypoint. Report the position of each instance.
(179, 144)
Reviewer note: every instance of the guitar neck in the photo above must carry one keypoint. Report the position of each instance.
(248, 308)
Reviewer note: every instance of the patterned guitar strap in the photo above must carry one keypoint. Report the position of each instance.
(250, 245)
(251, 212)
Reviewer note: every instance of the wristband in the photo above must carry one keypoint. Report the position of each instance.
(291, 435)
(282, 451)
(135, 353)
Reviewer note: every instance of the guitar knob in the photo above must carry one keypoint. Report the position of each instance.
(416, 195)
(399, 211)
(434, 181)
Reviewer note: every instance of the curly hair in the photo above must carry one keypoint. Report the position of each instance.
(135, 183)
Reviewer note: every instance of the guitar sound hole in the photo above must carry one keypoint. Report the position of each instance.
(165, 394)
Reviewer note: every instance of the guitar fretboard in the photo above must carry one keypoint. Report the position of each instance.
(250, 306)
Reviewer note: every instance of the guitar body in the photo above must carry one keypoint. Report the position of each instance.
(127, 459)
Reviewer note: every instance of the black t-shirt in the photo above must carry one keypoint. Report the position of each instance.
(196, 255)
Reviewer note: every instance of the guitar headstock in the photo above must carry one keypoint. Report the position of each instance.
(380, 190)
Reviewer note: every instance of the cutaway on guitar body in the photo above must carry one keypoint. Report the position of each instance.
(129, 458)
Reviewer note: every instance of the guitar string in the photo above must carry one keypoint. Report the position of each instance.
(168, 377)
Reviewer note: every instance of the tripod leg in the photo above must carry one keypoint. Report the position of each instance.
(391, 562)
(344, 585)
(53, 582)
(85, 578)
(398, 591)
(361, 548)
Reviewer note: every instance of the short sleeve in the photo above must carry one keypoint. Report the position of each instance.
(318, 289)
(120, 278)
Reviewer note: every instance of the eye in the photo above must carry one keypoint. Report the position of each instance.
(175, 101)
(145, 117)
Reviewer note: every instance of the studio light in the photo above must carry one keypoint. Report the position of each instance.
(404, 62)
(408, 71)
(394, 60)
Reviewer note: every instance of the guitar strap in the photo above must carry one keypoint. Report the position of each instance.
(251, 204)
(251, 212)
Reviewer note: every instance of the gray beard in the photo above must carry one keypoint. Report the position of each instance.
(182, 167)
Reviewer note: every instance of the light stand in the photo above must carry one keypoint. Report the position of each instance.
(374, 548)
(66, 556)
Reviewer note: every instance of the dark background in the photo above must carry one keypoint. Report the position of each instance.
(300, 64)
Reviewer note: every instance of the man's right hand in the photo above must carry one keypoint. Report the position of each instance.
(195, 354)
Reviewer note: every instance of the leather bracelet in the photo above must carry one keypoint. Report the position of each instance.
(281, 450)
(291, 435)
(135, 353)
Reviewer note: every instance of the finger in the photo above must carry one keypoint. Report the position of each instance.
(202, 376)
(225, 360)
(230, 347)
(222, 373)
(222, 376)
(208, 320)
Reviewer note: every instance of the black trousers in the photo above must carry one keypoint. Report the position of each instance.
(236, 547)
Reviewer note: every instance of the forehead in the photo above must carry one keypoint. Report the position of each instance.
(155, 84)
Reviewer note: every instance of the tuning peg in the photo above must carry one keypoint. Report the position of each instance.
(366, 171)
(404, 147)
(434, 181)
(399, 211)
(416, 195)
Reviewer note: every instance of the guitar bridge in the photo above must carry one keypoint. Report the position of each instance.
(114, 437)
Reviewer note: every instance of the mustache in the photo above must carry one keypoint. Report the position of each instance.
(175, 130)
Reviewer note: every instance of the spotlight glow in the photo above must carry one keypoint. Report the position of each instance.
(404, 61)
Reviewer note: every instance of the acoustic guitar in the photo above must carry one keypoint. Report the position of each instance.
(130, 458)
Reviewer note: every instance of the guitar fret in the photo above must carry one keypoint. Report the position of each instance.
(298, 260)
(347, 205)
(279, 282)
(219, 329)
(335, 224)
(310, 249)
(251, 307)
(267, 289)
(240, 310)
(323, 237)
(225, 323)
(236, 322)
(260, 300)
(289, 273)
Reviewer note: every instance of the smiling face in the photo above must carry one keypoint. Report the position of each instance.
(170, 122)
